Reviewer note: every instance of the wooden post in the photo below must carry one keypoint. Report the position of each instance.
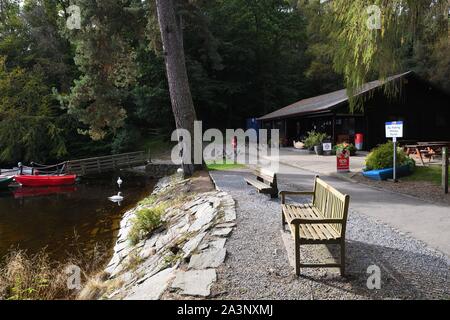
(445, 169)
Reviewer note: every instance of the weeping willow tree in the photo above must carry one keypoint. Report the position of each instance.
(374, 38)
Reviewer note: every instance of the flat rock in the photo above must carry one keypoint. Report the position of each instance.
(192, 244)
(222, 232)
(195, 282)
(230, 215)
(218, 244)
(153, 287)
(209, 259)
(204, 216)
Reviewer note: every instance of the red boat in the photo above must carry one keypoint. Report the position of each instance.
(45, 181)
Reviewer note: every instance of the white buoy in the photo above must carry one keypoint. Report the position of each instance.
(180, 171)
(119, 182)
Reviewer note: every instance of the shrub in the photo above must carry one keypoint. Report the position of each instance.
(146, 221)
(382, 156)
(314, 138)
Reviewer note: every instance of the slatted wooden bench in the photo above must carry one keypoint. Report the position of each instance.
(323, 221)
(265, 181)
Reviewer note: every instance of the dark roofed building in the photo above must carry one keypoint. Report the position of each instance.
(424, 109)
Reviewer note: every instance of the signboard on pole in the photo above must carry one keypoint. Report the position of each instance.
(394, 129)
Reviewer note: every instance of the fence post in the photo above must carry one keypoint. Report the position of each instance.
(445, 169)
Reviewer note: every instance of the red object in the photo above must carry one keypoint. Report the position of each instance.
(43, 191)
(234, 142)
(343, 161)
(44, 181)
(359, 138)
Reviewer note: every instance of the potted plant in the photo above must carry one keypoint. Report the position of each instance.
(314, 141)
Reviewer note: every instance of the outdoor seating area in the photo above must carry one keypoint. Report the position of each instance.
(265, 181)
(323, 221)
(428, 150)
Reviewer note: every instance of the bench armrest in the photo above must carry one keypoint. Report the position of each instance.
(299, 193)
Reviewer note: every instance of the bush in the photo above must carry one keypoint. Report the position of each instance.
(146, 221)
(313, 139)
(382, 156)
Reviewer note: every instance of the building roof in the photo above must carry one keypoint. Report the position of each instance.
(325, 102)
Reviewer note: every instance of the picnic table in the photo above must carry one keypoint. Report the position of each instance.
(427, 149)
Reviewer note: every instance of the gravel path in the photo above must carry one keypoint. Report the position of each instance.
(257, 266)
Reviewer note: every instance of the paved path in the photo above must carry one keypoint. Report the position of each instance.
(321, 164)
(257, 266)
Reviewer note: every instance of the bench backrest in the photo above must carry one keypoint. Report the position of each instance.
(266, 176)
(331, 203)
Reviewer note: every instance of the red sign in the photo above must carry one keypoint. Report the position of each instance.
(343, 161)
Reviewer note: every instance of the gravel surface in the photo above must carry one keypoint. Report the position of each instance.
(257, 265)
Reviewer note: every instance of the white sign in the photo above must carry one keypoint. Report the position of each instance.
(327, 146)
(394, 129)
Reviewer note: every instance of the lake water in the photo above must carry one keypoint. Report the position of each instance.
(62, 219)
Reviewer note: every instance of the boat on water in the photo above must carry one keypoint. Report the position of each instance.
(5, 181)
(45, 181)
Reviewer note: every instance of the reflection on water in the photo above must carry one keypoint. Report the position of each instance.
(61, 217)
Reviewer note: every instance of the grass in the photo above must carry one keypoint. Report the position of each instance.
(146, 221)
(37, 277)
(224, 166)
(431, 174)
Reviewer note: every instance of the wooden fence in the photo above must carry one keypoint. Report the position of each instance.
(86, 166)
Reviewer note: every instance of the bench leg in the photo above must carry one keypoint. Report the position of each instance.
(343, 258)
(297, 250)
(283, 220)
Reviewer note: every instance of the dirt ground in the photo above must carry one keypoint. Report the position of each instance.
(421, 189)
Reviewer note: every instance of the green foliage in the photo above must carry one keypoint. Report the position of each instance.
(146, 220)
(147, 201)
(314, 138)
(382, 157)
(106, 57)
(361, 53)
(30, 126)
(344, 146)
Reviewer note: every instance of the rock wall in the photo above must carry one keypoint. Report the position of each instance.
(160, 169)
(179, 258)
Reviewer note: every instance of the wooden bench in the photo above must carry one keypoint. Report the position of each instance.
(265, 181)
(323, 221)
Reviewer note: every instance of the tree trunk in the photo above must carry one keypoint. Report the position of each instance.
(180, 93)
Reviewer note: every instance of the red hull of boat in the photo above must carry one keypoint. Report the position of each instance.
(45, 181)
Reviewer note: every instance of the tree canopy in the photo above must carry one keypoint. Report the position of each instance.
(99, 89)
